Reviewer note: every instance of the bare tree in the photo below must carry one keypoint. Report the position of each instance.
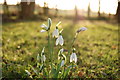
(27, 9)
(99, 9)
(5, 8)
(56, 11)
(76, 12)
(118, 12)
(45, 8)
(89, 10)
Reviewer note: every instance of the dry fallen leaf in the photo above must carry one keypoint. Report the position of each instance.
(80, 73)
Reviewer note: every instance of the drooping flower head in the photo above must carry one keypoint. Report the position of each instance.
(43, 58)
(60, 39)
(60, 53)
(81, 29)
(61, 57)
(56, 31)
(46, 28)
(73, 56)
(62, 63)
(38, 57)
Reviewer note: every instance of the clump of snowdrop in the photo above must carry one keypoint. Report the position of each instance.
(45, 65)
(42, 56)
(57, 34)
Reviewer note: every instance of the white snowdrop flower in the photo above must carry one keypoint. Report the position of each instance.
(46, 28)
(43, 58)
(38, 57)
(43, 30)
(73, 57)
(43, 50)
(62, 63)
(55, 33)
(60, 40)
(81, 29)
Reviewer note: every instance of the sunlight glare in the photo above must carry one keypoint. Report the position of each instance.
(107, 6)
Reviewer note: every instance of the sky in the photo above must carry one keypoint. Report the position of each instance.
(107, 6)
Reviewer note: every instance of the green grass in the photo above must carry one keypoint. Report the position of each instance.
(97, 48)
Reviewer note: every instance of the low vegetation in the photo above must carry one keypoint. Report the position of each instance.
(96, 48)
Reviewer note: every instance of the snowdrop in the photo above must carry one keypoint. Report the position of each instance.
(38, 57)
(46, 28)
(43, 58)
(43, 50)
(73, 57)
(81, 29)
(56, 32)
(62, 63)
(60, 53)
(63, 58)
(60, 40)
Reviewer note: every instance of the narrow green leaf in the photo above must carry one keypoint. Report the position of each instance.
(53, 71)
(45, 73)
(66, 72)
(35, 71)
(58, 69)
(41, 67)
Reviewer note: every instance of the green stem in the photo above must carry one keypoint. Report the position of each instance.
(49, 50)
(52, 50)
(72, 69)
(72, 43)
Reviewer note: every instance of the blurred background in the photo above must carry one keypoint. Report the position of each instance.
(80, 9)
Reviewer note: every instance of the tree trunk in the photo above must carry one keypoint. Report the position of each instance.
(88, 10)
(5, 8)
(27, 9)
(99, 9)
(76, 12)
(46, 9)
(5, 16)
(118, 12)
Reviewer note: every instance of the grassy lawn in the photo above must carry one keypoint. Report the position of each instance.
(97, 48)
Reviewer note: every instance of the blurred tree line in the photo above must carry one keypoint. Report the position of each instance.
(26, 10)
